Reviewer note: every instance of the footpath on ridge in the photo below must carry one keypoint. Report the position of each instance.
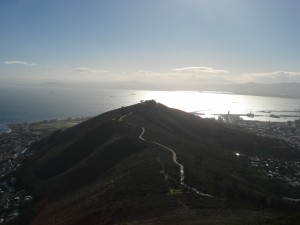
(174, 158)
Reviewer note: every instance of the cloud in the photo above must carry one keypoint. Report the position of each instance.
(189, 73)
(182, 77)
(165, 75)
(285, 74)
(19, 63)
(271, 77)
(159, 74)
(88, 70)
(202, 69)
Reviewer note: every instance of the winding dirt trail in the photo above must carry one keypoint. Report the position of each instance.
(171, 150)
(174, 158)
(122, 117)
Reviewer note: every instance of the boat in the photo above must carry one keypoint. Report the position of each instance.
(266, 111)
(250, 114)
(274, 116)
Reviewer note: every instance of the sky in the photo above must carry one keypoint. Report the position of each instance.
(157, 41)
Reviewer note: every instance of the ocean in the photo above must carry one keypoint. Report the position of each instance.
(27, 104)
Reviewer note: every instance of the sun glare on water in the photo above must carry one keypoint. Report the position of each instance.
(211, 105)
(193, 101)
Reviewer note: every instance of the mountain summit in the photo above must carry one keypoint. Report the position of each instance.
(150, 164)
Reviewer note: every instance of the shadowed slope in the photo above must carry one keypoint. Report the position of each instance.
(101, 172)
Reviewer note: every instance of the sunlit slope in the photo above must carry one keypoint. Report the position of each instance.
(101, 172)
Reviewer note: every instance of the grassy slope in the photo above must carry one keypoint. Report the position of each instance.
(207, 151)
(99, 171)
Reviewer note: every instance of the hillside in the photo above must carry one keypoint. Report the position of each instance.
(123, 167)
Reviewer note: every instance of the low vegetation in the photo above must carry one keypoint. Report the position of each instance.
(100, 172)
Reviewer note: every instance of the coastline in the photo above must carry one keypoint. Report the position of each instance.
(206, 104)
(45, 126)
(4, 129)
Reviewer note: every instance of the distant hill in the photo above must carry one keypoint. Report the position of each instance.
(285, 90)
(106, 171)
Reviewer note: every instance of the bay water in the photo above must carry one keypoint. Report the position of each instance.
(19, 104)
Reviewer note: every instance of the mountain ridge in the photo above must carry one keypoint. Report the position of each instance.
(103, 170)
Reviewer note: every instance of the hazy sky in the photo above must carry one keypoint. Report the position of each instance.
(151, 40)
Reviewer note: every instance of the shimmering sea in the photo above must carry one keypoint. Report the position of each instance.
(27, 104)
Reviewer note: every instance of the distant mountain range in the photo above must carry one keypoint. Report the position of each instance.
(119, 168)
(285, 90)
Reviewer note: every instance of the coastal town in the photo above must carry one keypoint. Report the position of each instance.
(288, 132)
(14, 150)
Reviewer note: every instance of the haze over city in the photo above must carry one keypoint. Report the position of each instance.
(158, 42)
